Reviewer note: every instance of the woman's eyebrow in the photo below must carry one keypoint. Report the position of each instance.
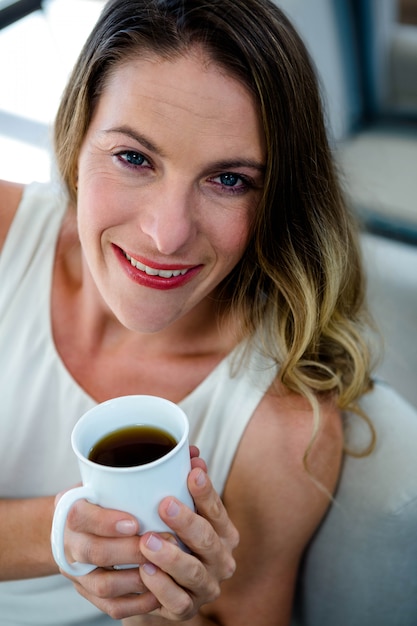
(238, 163)
(138, 137)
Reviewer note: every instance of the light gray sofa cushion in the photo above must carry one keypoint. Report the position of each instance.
(361, 567)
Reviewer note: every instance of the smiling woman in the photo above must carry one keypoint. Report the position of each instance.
(199, 250)
(178, 213)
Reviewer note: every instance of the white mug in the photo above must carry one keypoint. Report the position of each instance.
(137, 490)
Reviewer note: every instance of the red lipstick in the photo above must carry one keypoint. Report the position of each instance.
(148, 273)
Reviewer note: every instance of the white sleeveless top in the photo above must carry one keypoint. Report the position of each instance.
(40, 403)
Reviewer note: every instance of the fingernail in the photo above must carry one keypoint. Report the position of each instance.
(154, 543)
(173, 509)
(126, 527)
(200, 479)
(149, 568)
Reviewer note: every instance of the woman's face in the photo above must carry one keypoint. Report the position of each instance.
(169, 176)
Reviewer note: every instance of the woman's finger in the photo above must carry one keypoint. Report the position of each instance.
(111, 583)
(103, 551)
(213, 554)
(196, 460)
(210, 532)
(188, 571)
(88, 518)
(119, 607)
(176, 601)
(210, 506)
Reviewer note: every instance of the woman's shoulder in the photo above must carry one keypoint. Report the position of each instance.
(290, 421)
(10, 197)
(302, 456)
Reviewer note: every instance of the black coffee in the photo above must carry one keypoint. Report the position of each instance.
(132, 445)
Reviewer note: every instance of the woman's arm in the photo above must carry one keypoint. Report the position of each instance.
(10, 197)
(25, 528)
(24, 524)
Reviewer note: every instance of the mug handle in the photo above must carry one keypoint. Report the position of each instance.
(58, 527)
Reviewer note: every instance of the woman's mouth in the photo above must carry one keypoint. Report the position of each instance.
(161, 277)
(151, 271)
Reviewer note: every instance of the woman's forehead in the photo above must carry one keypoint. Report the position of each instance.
(188, 90)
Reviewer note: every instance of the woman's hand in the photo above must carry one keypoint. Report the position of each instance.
(170, 582)
(183, 582)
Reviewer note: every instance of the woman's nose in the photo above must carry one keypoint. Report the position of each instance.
(169, 218)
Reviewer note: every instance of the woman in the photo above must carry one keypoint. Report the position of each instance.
(202, 252)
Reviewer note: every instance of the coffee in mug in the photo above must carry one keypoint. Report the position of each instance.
(133, 445)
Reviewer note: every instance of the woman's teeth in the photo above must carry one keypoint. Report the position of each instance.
(153, 272)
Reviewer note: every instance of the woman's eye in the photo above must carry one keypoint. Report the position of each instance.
(133, 159)
(232, 181)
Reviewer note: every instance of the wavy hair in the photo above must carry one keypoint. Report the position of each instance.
(300, 284)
